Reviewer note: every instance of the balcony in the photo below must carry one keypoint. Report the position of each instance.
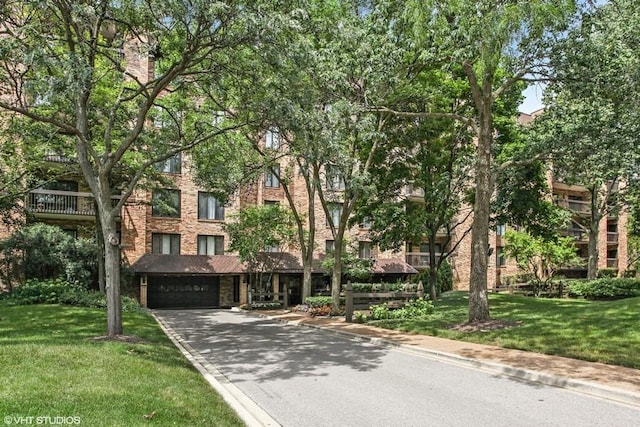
(578, 234)
(577, 206)
(419, 260)
(411, 191)
(612, 262)
(56, 203)
(612, 237)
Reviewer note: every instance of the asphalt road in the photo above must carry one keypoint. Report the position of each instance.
(308, 377)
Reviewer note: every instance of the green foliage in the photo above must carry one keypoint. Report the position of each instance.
(444, 277)
(382, 287)
(318, 301)
(43, 251)
(416, 309)
(60, 291)
(539, 257)
(266, 306)
(605, 288)
(353, 267)
(607, 272)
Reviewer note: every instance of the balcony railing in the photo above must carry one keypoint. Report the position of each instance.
(412, 191)
(419, 259)
(576, 233)
(612, 237)
(612, 262)
(579, 206)
(62, 202)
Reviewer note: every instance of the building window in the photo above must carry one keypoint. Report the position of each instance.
(271, 177)
(366, 223)
(335, 179)
(272, 248)
(165, 244)
(335, 212)
(166, 203)
(71, 232)
(210, 245)
(500, 258)
(272, 139)
(364, 250)
(171, 165)
(272, 203)
(209, 207)
(329, 245)
(501, 229)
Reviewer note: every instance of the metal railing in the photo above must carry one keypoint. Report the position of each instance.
(62, 202)
(579, 206)
(419, 259)
(612, 262)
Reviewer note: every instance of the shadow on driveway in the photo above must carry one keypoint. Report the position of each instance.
(247, 348)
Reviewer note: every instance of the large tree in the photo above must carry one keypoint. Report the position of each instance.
(491, 46)
(126, 84)
(591, 124)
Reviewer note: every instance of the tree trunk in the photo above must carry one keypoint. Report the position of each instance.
(101, 253)
(306, 279)
(478, 298)
(433, 269)
(112, 278)
(592, 248)
(336, 277)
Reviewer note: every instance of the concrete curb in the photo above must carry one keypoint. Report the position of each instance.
(594, 389)
(252, 414)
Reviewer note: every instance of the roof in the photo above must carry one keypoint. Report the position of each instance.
(230, 264)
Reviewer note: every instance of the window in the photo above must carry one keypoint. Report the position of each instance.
(271, 177)
(71, 232)
(366, 223)
(210, 245)
(364, 250)
(329, 245)
(218, 117)
(272, 203)
(209, 207)
(335, 212)
(272, 139)
(171, 165)
(166, 203)
(335, 179)
(501, 229)
(272, 248)
(165, 244)
(500, 258)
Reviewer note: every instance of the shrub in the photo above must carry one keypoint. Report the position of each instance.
(605, 288)
(382, 287)
(412, 310)
(266, 306)
(444, 278)
(607, 272)
(59, 291)
(318, 301)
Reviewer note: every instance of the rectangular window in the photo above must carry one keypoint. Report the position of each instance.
(366, 223)
(335, 212)
(210, 245)
(166, 203)
(500, 258)
(501, 229)
(271, 177)
(272, 248)
(364, 250)
(165, 244)
(335, 179)
(272, 139)
(236, 289)
(329, 245)
(209, 207)
(171, 165)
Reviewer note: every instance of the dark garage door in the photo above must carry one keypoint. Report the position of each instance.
(183, 291)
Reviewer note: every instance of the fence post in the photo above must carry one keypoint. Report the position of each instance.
(285, 295)
(420, 290)
(349, 302)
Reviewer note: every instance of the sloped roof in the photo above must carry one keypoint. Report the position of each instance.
(231, 264)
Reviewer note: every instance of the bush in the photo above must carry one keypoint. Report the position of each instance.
(444, 278)
(319, 301)
(412, 310)
(382, 287)
(607, 272)
(266, 306)
(605, 288)
(59, 291)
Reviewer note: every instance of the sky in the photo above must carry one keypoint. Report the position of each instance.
(532, 99)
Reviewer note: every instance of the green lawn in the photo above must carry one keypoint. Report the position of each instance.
(601, 331)
(50, 366)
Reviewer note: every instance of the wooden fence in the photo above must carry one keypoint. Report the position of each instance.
(364, 300)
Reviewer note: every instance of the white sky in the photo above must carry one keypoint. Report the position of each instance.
(533, 99)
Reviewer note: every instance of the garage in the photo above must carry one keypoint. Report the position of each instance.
(183, 291)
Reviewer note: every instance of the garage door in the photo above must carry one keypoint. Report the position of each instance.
(183, 291)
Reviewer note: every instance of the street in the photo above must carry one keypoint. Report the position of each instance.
(303, 376)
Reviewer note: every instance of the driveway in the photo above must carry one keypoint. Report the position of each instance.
(303, 376)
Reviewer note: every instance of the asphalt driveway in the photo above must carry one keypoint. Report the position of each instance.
(303, 376)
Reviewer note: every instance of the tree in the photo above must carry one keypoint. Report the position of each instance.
(493, 45)
(255, 232)
(126, 84)
(540, 257)
(420, 193)
(590, 126)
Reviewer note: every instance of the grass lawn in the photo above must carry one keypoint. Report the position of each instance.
(601, 331)
(51, 367)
